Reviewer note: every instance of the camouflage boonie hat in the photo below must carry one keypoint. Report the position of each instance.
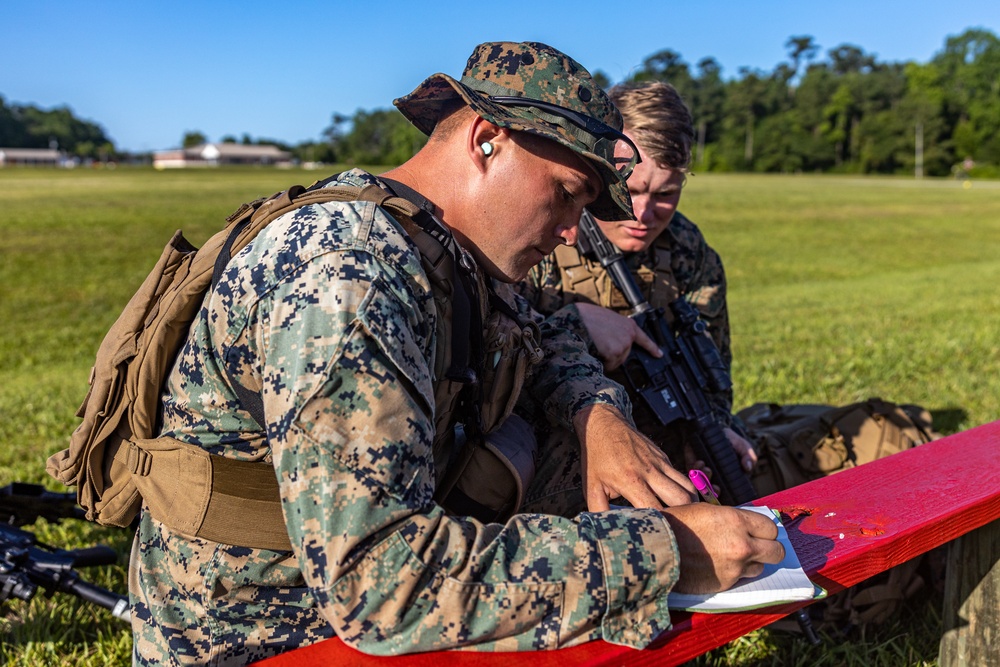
(535, 88)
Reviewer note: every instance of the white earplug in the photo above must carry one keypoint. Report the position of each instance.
(487, 148)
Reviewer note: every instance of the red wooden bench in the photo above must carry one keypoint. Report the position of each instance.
(845, 528)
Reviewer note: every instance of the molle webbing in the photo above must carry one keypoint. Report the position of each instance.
(585, 280)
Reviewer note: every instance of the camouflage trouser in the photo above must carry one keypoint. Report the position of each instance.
(257, 596)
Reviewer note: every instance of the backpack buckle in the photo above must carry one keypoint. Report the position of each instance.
(138, 461)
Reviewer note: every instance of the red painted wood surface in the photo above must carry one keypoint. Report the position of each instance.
(845, 528)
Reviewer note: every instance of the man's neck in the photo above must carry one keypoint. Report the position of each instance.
(429, 176)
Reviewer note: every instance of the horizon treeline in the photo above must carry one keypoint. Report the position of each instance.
(847, 112)
(27, 126)
(843, 112)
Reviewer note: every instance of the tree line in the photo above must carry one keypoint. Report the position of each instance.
(844, 112)
(27, 126)
(847, 112)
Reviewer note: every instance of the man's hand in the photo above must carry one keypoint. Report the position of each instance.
(613, 335)
(720, 545)
(744, 452)
(618, 461)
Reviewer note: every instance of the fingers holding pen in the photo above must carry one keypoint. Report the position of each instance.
(721, 545)
(763, 542)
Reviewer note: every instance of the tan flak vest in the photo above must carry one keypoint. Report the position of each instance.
(117, 463)
(586, 280)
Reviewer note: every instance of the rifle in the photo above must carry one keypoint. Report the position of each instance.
(21, 504)
(675, 387)
(27, 564)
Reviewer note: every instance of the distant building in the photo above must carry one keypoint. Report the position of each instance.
(36, 157)
(214, 155)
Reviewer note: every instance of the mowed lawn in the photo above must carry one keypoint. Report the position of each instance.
(840, 288)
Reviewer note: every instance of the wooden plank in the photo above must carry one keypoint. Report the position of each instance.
(845, 528)
(972, 600)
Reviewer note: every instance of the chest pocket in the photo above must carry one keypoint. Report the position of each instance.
(492, 471)
(511, 347)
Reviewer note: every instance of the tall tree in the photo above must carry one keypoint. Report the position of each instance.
(801, 47)
(970, 66)
(193, 138)
(706, 103)
(12, 130)
(382, 136)
(814, 90)
(745, 103)
(922, 110)
(668, 66)
(60, 128)
(850, 59)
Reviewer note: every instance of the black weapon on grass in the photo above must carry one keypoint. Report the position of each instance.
(27, 564)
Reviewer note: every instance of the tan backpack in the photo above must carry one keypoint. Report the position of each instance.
(800, 442)
(797, 443)
(121, 407)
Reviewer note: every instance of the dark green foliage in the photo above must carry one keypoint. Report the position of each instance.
(382, 136)
(192, 139)
(847, 113)
(26, 126)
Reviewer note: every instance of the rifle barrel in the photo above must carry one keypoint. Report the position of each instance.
(26, 565)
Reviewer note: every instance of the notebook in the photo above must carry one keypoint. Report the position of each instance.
(777, 584)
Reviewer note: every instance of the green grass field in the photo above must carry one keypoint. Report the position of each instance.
(839, 289)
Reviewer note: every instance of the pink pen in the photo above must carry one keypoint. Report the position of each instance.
(704, 487)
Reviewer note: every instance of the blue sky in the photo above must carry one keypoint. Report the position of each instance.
(148, 72)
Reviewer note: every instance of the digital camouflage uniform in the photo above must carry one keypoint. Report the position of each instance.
(679, 263)
(330, 310)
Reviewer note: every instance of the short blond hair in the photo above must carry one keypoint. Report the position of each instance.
(658, 120)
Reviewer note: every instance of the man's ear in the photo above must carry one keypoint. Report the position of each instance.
(484, 141)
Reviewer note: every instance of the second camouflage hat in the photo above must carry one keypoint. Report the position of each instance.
(535, 88)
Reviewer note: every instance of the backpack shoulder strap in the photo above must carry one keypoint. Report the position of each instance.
(251, 218)
(122, 406)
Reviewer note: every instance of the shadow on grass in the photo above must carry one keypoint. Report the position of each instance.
(948, 420)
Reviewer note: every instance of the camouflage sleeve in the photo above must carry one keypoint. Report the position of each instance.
(708, 294)
(542, 289)
(348, 396)
(567, 318)
(569, 378)
(530, 289)
(701, 278)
